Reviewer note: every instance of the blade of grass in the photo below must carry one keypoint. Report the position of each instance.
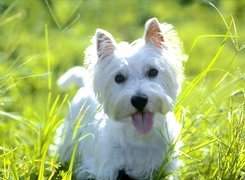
(201, 145)
(48, 67)
(186, 93)
(50, 10)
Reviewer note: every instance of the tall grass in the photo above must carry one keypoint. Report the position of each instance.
(213, 134)
(25, 149)
(210, 107)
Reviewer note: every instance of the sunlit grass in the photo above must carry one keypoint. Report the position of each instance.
(210, 107)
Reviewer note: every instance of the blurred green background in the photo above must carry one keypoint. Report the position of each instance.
(70, 24)
(41, 39)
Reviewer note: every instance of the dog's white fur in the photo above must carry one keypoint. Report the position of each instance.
(103, 109)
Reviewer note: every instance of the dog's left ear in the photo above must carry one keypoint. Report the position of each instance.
(153, 33)
(105, 44)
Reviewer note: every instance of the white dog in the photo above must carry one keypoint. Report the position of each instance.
(120, 124)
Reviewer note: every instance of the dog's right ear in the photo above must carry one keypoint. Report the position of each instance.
(105, 44)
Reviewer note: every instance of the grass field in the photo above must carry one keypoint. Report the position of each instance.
(41, 39)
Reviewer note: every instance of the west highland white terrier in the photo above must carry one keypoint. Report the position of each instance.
(120, 124)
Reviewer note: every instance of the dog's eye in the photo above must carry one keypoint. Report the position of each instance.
(152, 73)
(119, 79)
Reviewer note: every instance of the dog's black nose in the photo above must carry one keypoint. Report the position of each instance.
(139, 102)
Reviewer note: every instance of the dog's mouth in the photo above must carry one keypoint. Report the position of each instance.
(143, 122)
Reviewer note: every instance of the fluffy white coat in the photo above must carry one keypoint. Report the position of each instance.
(102, 109)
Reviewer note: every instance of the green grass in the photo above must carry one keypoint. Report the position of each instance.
(38, 42)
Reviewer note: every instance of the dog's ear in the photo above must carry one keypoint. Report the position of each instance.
(153, 33)
(105, 44)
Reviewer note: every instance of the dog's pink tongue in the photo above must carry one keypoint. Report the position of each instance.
(143, 122)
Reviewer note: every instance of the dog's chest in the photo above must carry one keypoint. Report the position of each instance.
(134, 151)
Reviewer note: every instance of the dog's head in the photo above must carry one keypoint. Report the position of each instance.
(138, 80)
